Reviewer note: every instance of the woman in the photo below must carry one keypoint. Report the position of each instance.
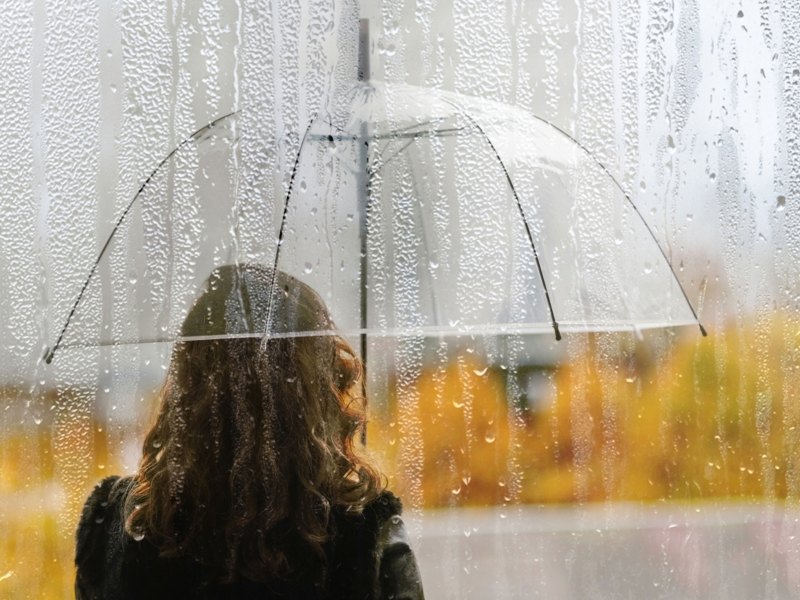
(249, 485)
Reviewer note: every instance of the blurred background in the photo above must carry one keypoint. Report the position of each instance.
(652, 463)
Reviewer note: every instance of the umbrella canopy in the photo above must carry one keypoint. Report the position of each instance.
(410, 211)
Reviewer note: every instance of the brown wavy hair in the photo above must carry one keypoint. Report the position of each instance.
(254, 442)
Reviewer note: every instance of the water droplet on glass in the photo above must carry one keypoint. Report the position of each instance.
(781, 203)
(308, 268)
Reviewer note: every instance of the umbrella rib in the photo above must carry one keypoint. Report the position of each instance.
(418, 134)
(283, 221)
(383, 162)
(411, 139)
(521, 212)
(635, 209)
(395, 135)
(50, 352)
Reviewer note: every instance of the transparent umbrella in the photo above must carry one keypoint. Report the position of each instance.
(410, 211)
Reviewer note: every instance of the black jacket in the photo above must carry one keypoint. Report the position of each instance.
(368, 558)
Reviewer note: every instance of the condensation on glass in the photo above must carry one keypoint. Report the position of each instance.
(604, 173)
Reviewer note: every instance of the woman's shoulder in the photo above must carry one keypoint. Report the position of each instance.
(354, 550)
(112, 564)
(111, 489)
(102, 514)
(364, 526)
(100, 540)
(398, 574)
(108, 491)
(384, 506)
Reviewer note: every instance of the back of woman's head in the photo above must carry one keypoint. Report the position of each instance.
(254, 441)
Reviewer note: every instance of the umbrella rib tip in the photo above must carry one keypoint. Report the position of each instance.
(48, 355)
(558, 333)
(702, 329)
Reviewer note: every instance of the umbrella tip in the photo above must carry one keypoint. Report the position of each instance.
(703, 330)
(558, 333)
(48, 355)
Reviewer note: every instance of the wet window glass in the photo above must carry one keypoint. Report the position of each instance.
(530, 267)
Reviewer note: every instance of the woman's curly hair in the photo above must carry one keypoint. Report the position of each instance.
(253, 446)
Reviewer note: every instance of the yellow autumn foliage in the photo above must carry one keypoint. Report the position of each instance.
(710, 417)
(462, 419)
(44, 480)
